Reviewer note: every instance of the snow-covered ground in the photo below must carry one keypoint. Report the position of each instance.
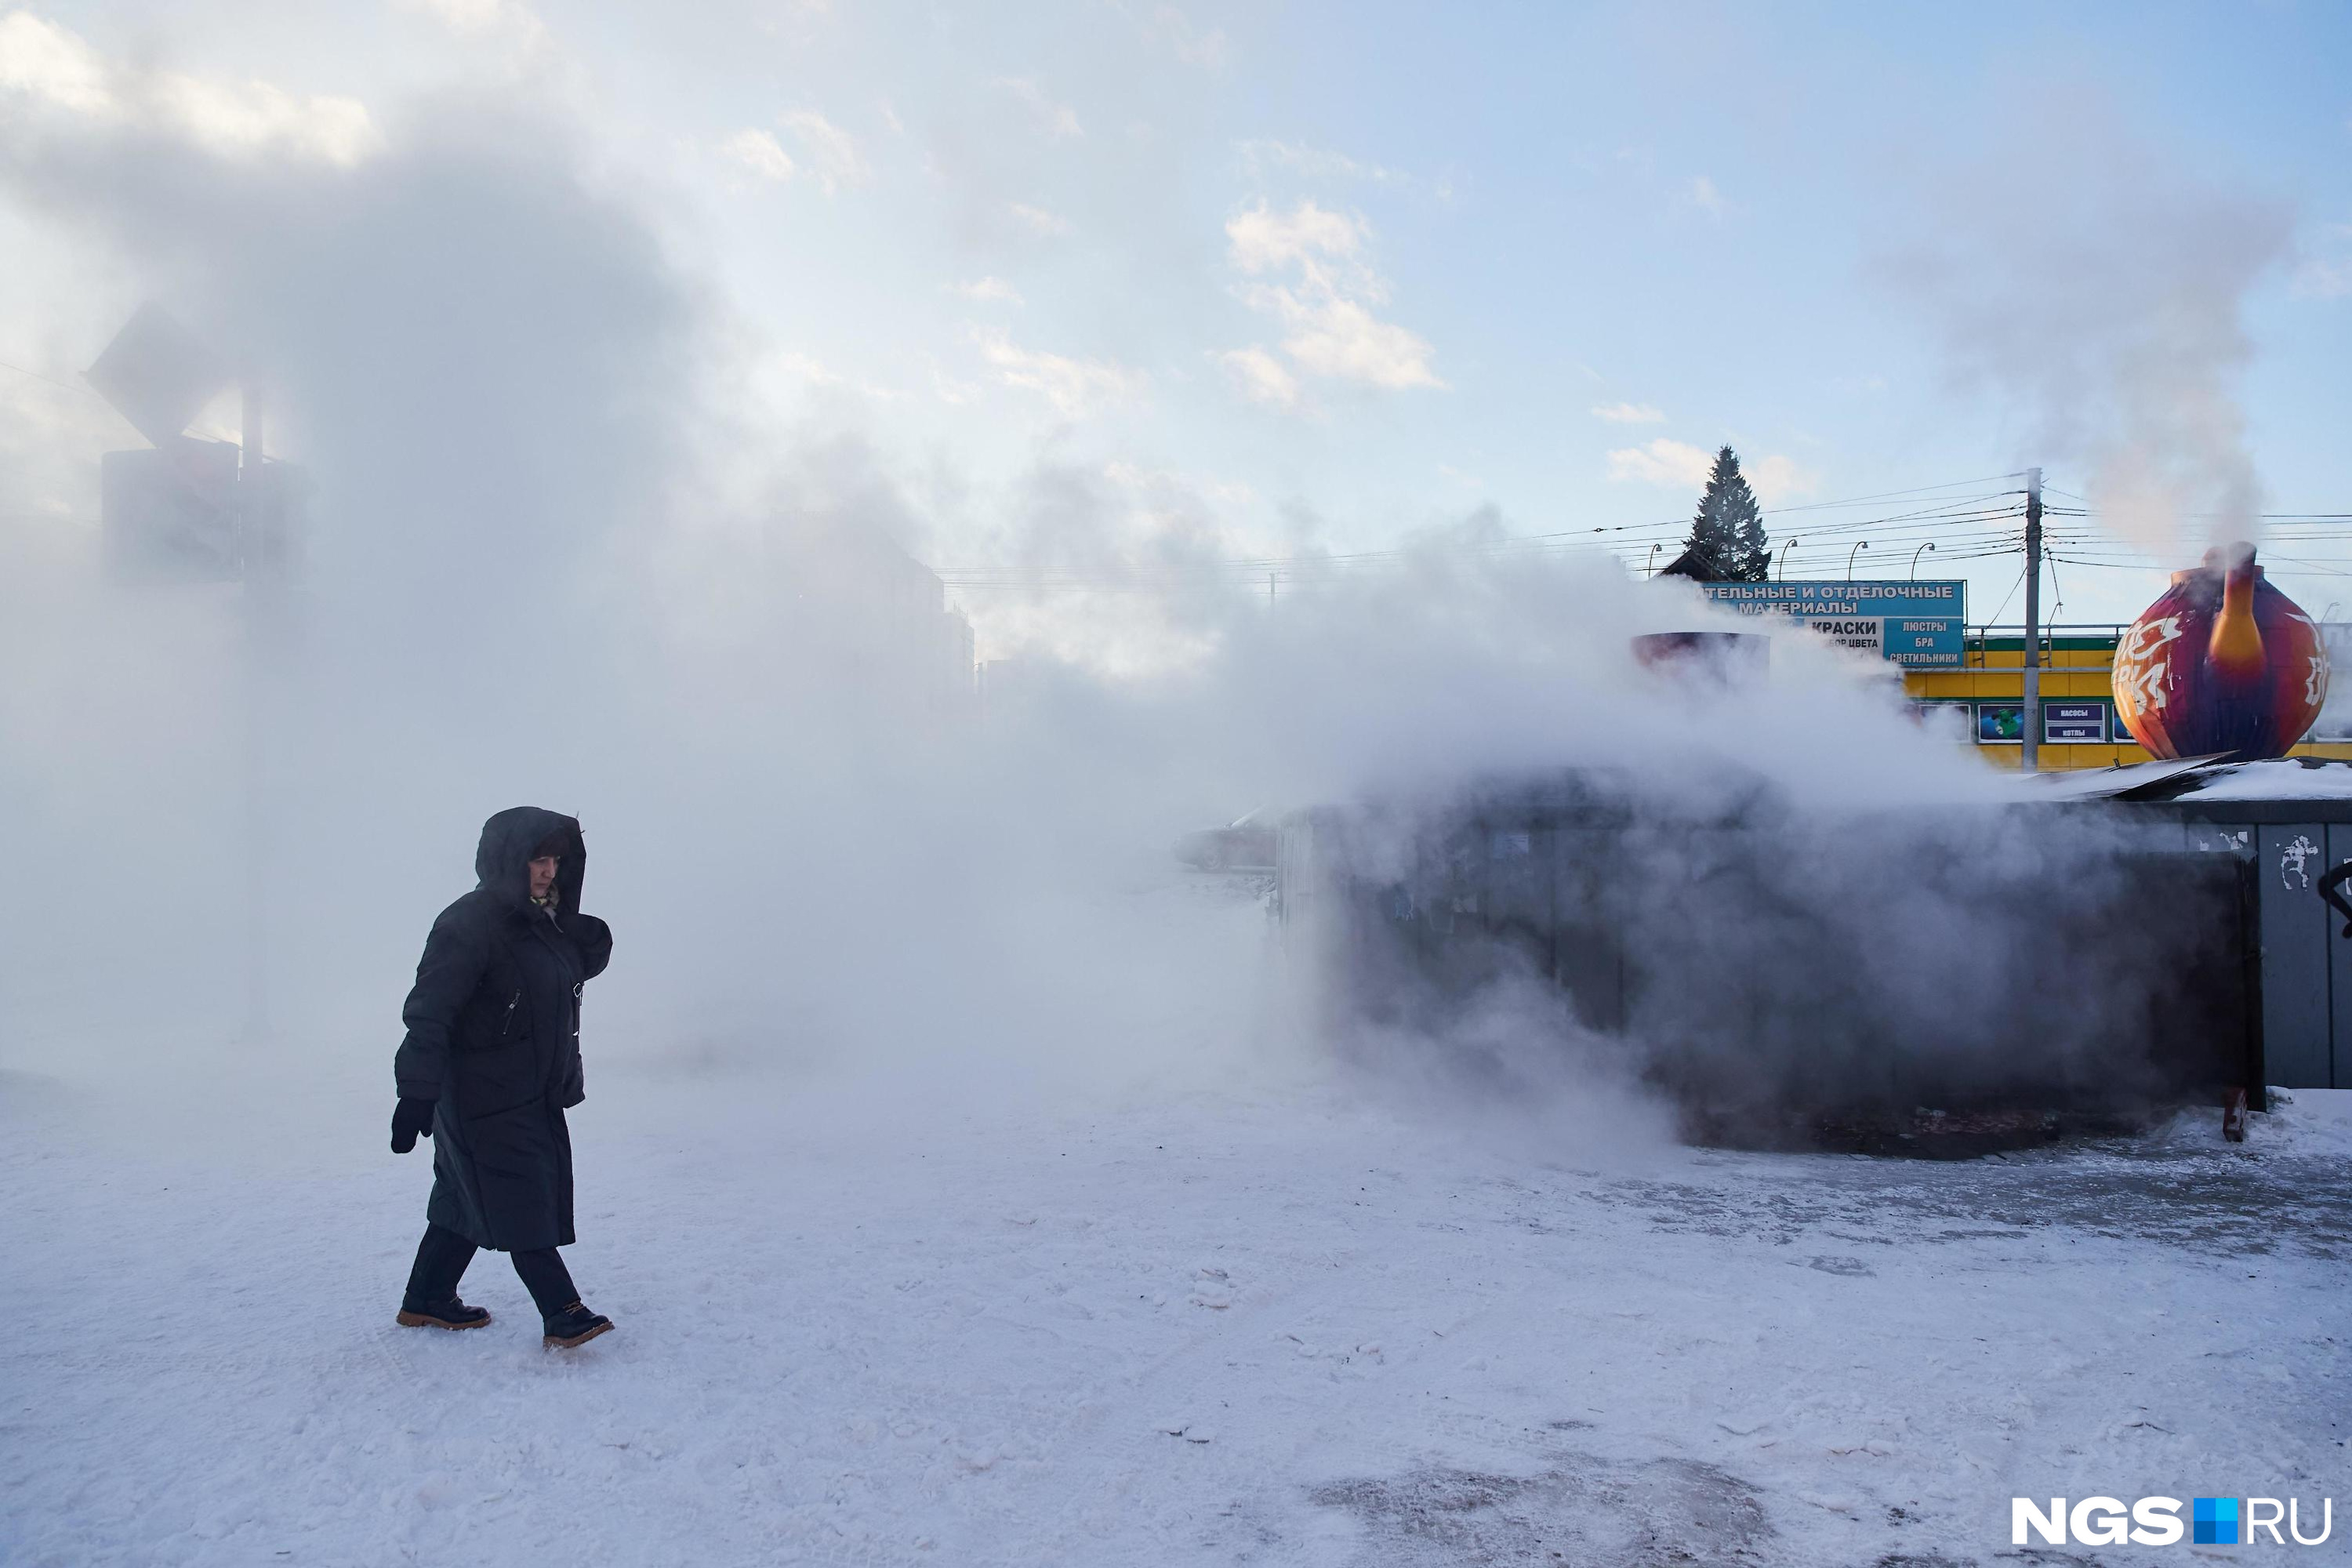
(1296, 1324)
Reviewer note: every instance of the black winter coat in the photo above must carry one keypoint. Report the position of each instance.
(494, 1039)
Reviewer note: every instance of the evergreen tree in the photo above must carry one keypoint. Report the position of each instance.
(1728, 544)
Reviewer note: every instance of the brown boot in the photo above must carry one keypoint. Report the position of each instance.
(575, 1325)
(449, 1314)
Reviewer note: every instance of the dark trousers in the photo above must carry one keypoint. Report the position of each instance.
(441, 1259)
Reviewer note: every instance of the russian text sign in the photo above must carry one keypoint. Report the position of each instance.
(1919, 624)
(2064, 723)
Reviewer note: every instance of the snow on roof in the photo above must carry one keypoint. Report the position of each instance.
(2286, 779)
(2089, 784)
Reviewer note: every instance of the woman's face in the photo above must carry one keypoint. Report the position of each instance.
(543, 874)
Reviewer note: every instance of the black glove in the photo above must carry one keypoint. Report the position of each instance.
(409, 1118)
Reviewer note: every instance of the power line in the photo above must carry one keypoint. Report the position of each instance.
(2325, 571)
(1890, 495)
(1939, 517)
(1328, 568)
(53, 380)
(1958, 523)
(2087, 510)
(2013, 587)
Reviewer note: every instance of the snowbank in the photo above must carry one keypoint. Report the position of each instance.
(1285, 1327)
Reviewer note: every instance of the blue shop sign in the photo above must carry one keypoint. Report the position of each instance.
(1921, 625)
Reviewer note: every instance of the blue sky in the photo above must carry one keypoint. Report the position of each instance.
(1314, 278)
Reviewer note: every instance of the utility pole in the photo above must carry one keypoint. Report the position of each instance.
(258, 544)
(250, 454)
(2030, 730)
(230, 519)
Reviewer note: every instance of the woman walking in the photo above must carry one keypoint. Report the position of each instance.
(491, 1064)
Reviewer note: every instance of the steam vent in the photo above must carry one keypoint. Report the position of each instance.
(2222, 662)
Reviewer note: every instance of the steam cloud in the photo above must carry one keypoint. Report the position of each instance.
(2094, 282)
(555, 564)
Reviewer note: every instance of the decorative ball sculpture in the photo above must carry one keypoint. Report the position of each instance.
(2222, 662)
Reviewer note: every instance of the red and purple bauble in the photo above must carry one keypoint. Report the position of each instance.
(2222, 663)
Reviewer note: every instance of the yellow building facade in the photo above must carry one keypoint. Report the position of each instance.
(1986, 697)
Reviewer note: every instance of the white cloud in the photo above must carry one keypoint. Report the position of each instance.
(1677, 465)
(2329, 276)
(1170, 482)
(255, 117)
(1038, 221)
(1261, 377)
(1318, 163)
(1058, 119)
(1706, 197)
(1629, 413)
(1170, 27)
(1778, 480)
(1332, 330)
(56, 70)
(950, 391)
(2318, 279)
(829, 155)
(47, 62)
(484, 19)
(1077, 388)
(815, 373)
(987, 289)
(759, 152)
(1341, 339)
(1264, 239)
(832, 154)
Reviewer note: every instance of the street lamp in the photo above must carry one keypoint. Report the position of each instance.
(1851, 554)
(1649, 567)
(1915, 561)
(1786, 547)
